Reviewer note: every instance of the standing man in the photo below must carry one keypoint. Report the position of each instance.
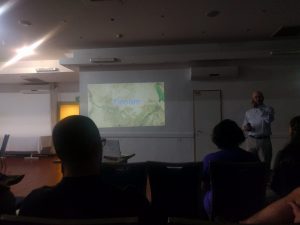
(257, 123)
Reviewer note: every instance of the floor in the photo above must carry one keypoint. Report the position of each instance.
(38, 172)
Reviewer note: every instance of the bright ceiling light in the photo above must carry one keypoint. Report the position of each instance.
(26, 50)
(7, 5)
(29, 50)
(23, 52)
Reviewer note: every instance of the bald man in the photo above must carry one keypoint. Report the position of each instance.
(257, 124)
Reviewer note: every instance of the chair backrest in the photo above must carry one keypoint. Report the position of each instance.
(126, 176)
(111, 148)
(286, 178)
(238, 189)
(4, 145)
(23, 220)
(176, 189)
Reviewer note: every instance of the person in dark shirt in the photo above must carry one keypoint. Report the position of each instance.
(287, 163)
(81, 194)
(227, 136)
(7, 200)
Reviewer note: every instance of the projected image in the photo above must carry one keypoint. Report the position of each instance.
(127, 104)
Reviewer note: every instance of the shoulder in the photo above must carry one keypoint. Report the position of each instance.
(36, 200)
(250, 112)
(268, 108)
(213, 156)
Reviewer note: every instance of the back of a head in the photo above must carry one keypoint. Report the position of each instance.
(227, 134)
(77, 139)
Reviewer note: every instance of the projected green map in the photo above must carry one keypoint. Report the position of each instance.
(127, 104)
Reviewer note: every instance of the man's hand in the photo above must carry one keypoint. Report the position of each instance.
(248, 127)
(296, 211)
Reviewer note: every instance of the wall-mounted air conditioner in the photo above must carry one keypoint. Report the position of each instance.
(213, 72)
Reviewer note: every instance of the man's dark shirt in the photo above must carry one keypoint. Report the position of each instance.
(82, 198)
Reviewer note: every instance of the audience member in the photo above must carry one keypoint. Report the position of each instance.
(227, 136)
(7, 200)
(283, 211)
(81, 194)
(287, 162)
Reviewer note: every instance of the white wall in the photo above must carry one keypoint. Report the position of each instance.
(26, 117)
(175, 137)
(278, 79)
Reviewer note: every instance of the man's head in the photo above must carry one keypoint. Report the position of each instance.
(77, 142)
(257, 98)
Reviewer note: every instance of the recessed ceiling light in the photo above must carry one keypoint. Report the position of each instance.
(104, 60)
(25, 23)
(119, 35)
(213, 13)
(46, 69)
(264, 11)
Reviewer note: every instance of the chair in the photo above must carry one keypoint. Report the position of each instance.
(286, 178)
(125, 176)
(46, 145)
(4, 145)
(176, 189)
(23, 220)
(238, 189)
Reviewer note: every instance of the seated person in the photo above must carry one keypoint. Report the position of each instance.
(283, 211)
(81, 194)
(7, 200)
(227, 136)
(287, 163)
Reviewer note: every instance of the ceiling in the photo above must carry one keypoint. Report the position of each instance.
(76, 24)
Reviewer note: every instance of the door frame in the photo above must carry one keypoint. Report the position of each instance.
(198, 92)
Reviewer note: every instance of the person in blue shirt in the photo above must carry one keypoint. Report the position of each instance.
(227, 136)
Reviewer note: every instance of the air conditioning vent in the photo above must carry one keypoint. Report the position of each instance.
(33, 80)
(34, 91)
(213, 73)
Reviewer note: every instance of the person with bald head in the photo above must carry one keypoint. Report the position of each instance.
(82, 193)
(257, 124)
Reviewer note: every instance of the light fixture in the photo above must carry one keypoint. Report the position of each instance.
(213, 13)
(25, 23)
(104, 60)
(285, 52)
(47, 69)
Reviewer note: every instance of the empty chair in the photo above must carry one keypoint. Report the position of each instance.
(238, 189)
(4, 145)
(111, 150)
(131, 176)
(176, 189)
